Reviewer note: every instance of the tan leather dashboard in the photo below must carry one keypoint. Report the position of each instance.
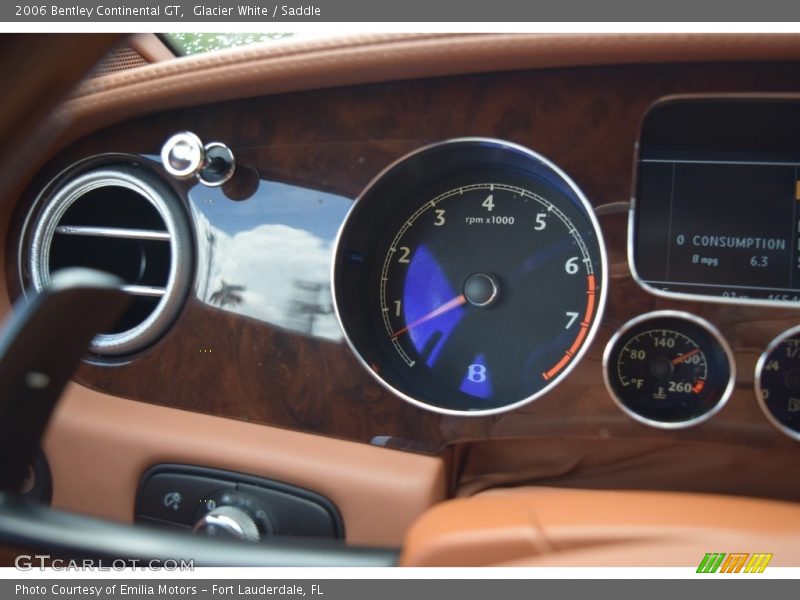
(541, 526)
(99, 446)
(351, 60)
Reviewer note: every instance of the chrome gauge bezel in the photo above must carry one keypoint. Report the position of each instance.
(671, 314)
(788, 431)
(603, 277)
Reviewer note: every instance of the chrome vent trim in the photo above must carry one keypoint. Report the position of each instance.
(147, 186)
(115, 232)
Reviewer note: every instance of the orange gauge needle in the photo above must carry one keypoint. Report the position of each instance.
(447, 306)
(679, 359)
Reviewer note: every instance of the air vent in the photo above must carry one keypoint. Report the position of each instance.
(126, 221)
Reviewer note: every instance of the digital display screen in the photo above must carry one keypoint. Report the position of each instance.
(717, 212)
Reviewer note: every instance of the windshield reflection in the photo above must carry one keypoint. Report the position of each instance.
(269, 257)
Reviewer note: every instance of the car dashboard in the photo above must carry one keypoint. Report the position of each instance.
(249, 365)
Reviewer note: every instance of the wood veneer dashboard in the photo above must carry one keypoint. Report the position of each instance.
(327, 145)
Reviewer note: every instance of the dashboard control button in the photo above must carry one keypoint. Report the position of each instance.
(247, 504)
(185, 496)
(228, 521)
(176, 497)
(219, 167)
(185, 156)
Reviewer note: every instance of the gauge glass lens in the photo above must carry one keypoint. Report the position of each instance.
(778, 383)
(668, 370)
(476, 276)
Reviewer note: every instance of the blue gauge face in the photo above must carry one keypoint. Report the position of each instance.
(468, 278)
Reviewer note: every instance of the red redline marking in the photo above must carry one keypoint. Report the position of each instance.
(589, 308)
(578, 340)
(584, 330)
(560, 365)
(698, 387)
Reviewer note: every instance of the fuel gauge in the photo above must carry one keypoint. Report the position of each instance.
(669, 369)
(778, 382)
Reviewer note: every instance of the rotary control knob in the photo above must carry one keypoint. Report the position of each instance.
(228, 521)
(233, 515)
(185, 156)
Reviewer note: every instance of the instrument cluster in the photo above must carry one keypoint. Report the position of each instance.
(470, 276)
(475, 288)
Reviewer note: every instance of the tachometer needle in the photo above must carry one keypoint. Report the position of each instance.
(679, 359)
(447, 306)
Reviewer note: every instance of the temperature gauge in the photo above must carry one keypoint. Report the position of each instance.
(778, 382)
(669, 369)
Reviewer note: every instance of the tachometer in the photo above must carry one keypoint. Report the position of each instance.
(469, 276)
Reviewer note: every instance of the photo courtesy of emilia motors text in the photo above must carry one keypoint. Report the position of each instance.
(355, 299)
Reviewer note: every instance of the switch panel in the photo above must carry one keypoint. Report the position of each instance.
(179, 496)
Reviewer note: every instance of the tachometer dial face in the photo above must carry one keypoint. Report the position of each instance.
(669, 369)
(778, 383)
(469, 276)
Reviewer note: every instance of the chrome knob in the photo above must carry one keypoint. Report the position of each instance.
(184, 156)
(228, 521)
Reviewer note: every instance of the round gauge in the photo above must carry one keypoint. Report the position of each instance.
(778, 382)
(669, 369)
(469, 276)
